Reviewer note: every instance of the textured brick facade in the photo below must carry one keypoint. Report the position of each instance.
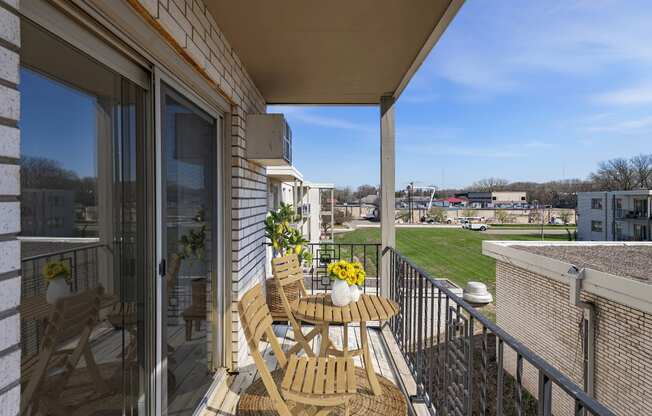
(9, 209)
(536, 310)
(191, 26)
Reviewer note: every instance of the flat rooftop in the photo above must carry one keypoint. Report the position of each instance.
(632, 261)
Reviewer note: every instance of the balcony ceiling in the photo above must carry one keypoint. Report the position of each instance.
(334, 51)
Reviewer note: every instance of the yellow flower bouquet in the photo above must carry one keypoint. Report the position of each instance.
(351, 272)
(56, 269)
(347, 276)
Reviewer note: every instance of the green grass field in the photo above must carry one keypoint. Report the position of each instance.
(448, 253)
(535, 226)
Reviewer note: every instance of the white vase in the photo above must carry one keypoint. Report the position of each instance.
(355, 293)
(341, 293)
(57, 289)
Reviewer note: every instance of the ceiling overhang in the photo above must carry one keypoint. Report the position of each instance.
(332, 52)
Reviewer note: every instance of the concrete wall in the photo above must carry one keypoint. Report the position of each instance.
(314, 222)
(536, 310)
(9, 209)
(586, 214)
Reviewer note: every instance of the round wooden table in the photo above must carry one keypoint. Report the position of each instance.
(320, 309)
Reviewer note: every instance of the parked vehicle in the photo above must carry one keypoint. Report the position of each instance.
(475, 226)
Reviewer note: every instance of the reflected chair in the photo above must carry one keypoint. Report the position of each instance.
(196, 312)
(73, 317)
(287, 271)
(308, 382)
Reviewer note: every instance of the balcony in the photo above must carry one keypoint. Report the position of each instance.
(443, 355)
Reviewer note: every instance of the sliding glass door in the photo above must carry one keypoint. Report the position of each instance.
(189, 158)
(84, 214)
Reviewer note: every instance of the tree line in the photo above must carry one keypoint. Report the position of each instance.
(611, 175)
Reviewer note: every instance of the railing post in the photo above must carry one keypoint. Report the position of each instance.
(545, 395)
(419, 349)
(500, 381)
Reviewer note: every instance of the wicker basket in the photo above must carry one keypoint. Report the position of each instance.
(274, 300)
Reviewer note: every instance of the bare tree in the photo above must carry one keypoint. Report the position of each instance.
(642, 167)
(489, 185)
(44, 173)
(365, 190)
(343, 195)
(615, 174)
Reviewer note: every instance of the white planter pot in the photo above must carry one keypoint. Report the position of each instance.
(57, 289)
(341, 293)
(355, 293)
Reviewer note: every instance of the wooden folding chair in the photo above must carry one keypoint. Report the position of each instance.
(287, 271)
(309, 382)
(71, 317)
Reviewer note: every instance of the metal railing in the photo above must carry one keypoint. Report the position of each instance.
(368, 254)
(83, 262)
(457, 356)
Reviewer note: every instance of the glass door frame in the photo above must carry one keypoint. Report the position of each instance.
(221, 248)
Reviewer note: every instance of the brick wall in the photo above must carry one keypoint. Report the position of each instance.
(9, 209)
(536, 310)
(193, 31)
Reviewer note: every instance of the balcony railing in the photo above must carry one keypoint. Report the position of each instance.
(368, 254)
(83, 263)
(457, 356)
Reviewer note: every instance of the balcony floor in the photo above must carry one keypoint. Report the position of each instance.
(225, 402)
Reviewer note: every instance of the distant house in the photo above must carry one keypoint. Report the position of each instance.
(614, 216)
(370, 199)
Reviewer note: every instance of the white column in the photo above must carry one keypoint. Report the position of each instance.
(332, 215)
(387, 183)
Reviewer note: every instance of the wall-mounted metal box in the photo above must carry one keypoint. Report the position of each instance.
(269, 140)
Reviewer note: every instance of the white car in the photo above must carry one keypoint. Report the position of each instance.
(475, 226)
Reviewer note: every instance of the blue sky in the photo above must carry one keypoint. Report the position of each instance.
(539, 91)
(57, 122)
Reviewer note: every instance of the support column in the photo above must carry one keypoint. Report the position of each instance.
(332, 215)
(387, 185)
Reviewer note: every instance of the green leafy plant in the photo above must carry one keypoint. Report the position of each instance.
(193, 244)
(285, 238)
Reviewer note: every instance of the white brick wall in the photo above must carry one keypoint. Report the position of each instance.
(189, 24)
(536, 311)
(9, 209)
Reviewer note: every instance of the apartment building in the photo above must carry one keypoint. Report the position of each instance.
(614, 216)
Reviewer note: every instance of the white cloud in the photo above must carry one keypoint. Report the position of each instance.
(494, 47)
(538, 144)
(639, 95)
(632, 126)
(461, 151)
(306, 116)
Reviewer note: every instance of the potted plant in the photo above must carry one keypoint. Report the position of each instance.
(57, 275)
(283, 236)
(347, 277)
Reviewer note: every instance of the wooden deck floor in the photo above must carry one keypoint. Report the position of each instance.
(225, 404)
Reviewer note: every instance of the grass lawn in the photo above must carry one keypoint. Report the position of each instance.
(453, 254)
(535, 226)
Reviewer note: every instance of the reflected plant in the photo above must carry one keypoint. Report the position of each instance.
(193, 244)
